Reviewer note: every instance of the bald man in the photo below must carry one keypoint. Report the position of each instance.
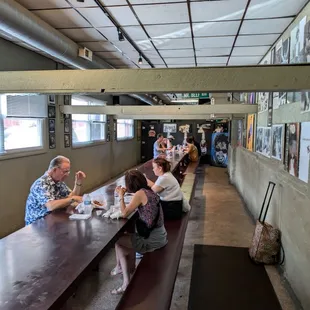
(49, 192)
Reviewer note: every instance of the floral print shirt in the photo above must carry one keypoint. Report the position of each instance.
(43, 190)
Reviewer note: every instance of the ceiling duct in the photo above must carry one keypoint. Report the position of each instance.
(20, 23)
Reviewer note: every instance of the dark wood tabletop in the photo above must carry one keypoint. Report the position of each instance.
(42, 261)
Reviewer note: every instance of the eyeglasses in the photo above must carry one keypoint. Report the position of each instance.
(64, 171)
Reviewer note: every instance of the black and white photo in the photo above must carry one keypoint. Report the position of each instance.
(305, 102)
(285, 51)
(52, 140)
(51, 99)
(277, 141)
(171, 128)
(259, 139)
(67, 100)
(266, 141)
(51, 125)
(67, 126)
(67, 140)
(51, 111)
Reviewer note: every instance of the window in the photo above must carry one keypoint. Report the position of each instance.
(22, 122)
(87, 128)
(125, 129)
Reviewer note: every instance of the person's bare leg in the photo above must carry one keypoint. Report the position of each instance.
(117, 269)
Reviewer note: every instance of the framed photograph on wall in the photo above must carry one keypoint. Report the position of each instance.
(51, 125)
(67, 126)
(51, 99)
(304, 157)
(67, 100)
(292, 148)
(277, 138)
(67, 141)
(51, 111)
(52, 140)
(171, 127)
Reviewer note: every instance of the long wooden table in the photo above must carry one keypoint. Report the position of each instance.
(41, 264)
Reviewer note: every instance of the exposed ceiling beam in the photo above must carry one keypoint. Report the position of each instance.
(166, 111)
(214, 79)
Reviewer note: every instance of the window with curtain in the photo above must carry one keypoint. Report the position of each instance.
(22, 118)
(125, 129)
(87, 128)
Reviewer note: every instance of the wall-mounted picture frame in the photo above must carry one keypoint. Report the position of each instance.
(51, 125)
(67, 100)
(67, 126)
(52, 140)
(51, 111)
(51, 99)
(67, 140)
(171, 128)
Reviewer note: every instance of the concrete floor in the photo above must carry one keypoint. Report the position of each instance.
(218, 218)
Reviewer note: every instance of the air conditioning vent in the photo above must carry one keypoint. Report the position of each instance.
(85, 53)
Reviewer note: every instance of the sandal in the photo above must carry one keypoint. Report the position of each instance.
(118, 291)
(115, 271)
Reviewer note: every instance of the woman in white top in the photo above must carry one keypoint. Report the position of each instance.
(168, 189)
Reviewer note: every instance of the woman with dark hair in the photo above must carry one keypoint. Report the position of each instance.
(168, 189)
(150, 232)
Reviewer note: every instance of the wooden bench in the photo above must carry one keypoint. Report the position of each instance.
(152, 285)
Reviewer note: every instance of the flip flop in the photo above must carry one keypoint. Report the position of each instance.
(118, 291)
(115, 271)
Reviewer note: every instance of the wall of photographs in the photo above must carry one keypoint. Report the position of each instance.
(283, 120)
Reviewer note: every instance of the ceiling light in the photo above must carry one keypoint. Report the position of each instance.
(80, 0)
(120, 35)
(140, 61)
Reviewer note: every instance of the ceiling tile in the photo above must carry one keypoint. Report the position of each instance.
(215, 28)
(160, 66)
(47, 4)
(66, 18)
(214, 60)
(214, 42)
(177, 53)
(151, 53)
(113, 2)
(136, 33)
(275, 8)
(172, 31)
(161, 14)
(241, 61)
(85, 3)
(222, 51)
(181, 60)
(217, 10)
(156, 61)
(124, 46)
(145, 66)
(251, 40)
(145, 45)
(109, 32)
(173, 43)
(265, 26)
(123, 15)
(154, 1)
(100, 46)
(250, 51)
(96, 17)
(82, 34)
(121, 61)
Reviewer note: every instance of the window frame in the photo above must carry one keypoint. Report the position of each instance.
(24, 151)
(126, 138)
(76, 145)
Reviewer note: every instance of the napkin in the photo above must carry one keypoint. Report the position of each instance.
(79, 216)
(107, 214)
(116, 215)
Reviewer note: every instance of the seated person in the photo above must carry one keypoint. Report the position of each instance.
(197, 144)
(158, 148)
(191, 150)
(49, 192)
(150, 232)
(168, 189)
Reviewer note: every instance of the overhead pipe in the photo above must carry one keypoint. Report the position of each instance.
(22, 24)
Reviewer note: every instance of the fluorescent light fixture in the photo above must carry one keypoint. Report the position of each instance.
(186, 100)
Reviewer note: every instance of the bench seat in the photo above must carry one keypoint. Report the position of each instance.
(152, 285)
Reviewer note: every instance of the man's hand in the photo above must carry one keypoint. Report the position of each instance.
(77, 198)
(79, 177)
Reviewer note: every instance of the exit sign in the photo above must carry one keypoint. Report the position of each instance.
(196, 96)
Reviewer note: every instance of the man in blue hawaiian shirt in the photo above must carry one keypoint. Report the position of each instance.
(49, 192)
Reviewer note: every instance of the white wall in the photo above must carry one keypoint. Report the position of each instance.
(100, 162)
